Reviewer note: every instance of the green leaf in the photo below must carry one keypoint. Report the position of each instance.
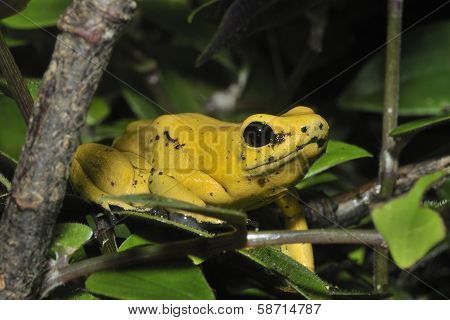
(409, 229)
(181, 92)
(32, 85)
(38, 14)
(316, 180)
(423, 86)
(303, 280)
(238, 16)
(133, 240)
(98, 111)
(337, 152)
(174, 281)
(69, 237)
(142, 107)
(11, 139)
(419, 125)
(150, 200)
(11, 7)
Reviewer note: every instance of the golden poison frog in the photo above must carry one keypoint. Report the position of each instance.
(201, 160)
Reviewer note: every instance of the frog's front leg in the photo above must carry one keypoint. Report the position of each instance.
(295, 220)
(188, 186)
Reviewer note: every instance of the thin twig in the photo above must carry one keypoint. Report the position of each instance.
(207, 247)
(349, 207)
(16, 84)
(89, 30)
(389, 152)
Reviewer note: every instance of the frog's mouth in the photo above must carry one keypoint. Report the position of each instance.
(274, 164)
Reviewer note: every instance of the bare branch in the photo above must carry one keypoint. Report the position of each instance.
(89, 31)
(349, 207)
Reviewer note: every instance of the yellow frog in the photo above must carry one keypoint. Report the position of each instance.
(201, 160)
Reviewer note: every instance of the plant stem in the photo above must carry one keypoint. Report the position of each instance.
(319, 236)
(16, 83)
(389, 153)
(207, 247)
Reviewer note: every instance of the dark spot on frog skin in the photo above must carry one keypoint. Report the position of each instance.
(166, 133)
(157, 138)
(242, 156)
(167, 144)
(286, 207)
(249, 179)
(271, 159)
(152, 170)
(278, 138)
(112, 184)
(178, 146)
(262, 182)
(304, 129)
(321, 126)
(277, 172)
(160, 173)
(211, 194)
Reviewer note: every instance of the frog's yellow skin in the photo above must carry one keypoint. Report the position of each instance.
(201, 160)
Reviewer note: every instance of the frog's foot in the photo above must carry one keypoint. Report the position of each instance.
(166, 185)
(98, 171)
(295, 220)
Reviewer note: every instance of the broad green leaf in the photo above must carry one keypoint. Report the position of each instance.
(303, 280)
(11, 7)
(337, 152)
(12, 135)
(423, 86)
(69, 237)
(38, 14)
(151, 200)
(419, 125)
(409, 229)
(98, 111)
(142, 107)
(171, 281)
(315, 180)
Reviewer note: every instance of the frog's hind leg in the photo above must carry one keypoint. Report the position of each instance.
(98, 171)
(295, 220)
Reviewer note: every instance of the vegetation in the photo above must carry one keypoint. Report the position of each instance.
(230, 59)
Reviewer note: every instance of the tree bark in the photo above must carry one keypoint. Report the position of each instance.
(89, 30)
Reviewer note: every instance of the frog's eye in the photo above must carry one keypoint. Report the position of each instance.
(258, 134)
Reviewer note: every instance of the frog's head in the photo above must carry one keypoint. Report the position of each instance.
(282, 147)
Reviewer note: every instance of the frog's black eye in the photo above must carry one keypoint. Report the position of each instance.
(258, 134)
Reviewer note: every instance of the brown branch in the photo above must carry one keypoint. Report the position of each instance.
(89, 30)
(348, 208)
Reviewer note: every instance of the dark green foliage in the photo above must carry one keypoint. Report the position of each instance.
(233, 58)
